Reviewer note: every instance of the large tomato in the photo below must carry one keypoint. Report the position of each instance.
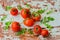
(14, 11)
(44, 32)
(29, 22)
(15, 26)
(25, 13)
(37, 29)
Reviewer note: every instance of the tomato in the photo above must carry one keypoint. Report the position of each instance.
(29, 22)
(36, 17)
(14, 11)
(44, 33)
(25, 13)
(15, 26)
(37, 29)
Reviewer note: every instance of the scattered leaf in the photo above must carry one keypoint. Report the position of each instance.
(50, 18)
(49, 12)
(27, 5)
(47, 19)
(30, 31)
(8, 8)
(48, 26)
(19, 7)
(21, 32)
(7, 25)
(41, 11)
(35, 13)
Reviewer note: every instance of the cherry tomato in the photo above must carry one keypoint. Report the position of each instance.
(25, 13)
(37, 29)
(15, 26)
(44, 33)
(14, 11)
(29, 22)
(36, 17)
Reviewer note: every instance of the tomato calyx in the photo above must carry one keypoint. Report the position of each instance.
(35, 14)
(36, 28)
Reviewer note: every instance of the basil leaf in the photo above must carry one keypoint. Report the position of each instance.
(19, 7)
(47, 19)
(50, 18)
(35, 14)
(30, 31)
(8, 8)
(41, 11)
(21, 32)
(7, 25)
(48, 26)
(3, 18)
(49, 12)
(27, 5)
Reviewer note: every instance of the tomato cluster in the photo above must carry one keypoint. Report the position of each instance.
(40, 31)
(29, 20)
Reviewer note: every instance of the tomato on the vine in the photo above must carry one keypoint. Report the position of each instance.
(14, 11)
(36, 16)
(44, 32)
(25, 13)
(37, 29)
(15, 26)
(29, 22)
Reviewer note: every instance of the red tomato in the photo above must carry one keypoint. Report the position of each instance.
(36, 18)
(29, 22)
(15, 27)
(14, 11)
(44, 33)
(37, 29)
(25, 13)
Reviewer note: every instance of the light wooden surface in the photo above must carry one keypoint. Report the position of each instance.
(56, 37)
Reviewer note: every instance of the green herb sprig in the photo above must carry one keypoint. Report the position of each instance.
(47, 19)
(24, 30)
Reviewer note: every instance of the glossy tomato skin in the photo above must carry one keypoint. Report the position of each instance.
(15, 26)
(29, 22)
(14, 12)
(37, 18)
(25, 13)
(37, 29)
(44, 32)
